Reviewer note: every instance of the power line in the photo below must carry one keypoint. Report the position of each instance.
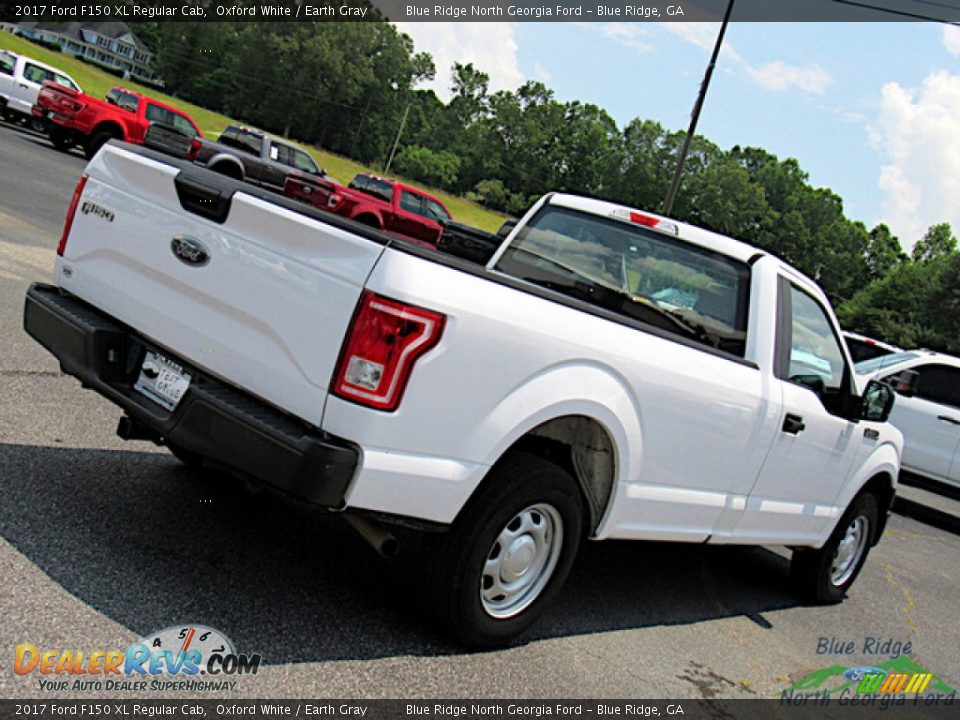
(901, 13)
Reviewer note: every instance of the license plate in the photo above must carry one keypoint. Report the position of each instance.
(162, 380)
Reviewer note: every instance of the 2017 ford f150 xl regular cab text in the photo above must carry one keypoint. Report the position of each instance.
(607, 374)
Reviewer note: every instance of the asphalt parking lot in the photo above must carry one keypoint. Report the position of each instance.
(104, 542)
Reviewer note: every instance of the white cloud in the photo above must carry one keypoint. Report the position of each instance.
(776, 75)
(490, 46)
(951, 39)
(541, 73)
(628, 34)
(918, 132)
(780, 76)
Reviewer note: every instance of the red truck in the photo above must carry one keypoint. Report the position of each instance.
(79, 119)
(381, 203)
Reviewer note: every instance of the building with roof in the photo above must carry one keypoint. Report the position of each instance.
(112, 45)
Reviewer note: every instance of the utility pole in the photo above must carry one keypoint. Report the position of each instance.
(393, 151)
(678, 173)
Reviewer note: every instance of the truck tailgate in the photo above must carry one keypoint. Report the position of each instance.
(262, 299)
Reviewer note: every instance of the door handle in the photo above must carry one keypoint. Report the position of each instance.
(945, 418)
(793, 424)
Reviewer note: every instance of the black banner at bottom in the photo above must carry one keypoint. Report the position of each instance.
(900, 707)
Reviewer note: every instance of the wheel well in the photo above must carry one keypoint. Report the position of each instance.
(582, 447)
(881, 487)
(230, 168)
(108, 127)
(368, 219)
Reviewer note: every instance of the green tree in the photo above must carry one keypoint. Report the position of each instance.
(938, 240)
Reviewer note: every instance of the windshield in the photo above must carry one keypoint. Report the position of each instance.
(884, 361)
(641, 274)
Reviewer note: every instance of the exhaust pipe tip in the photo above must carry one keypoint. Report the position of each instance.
(380, 539)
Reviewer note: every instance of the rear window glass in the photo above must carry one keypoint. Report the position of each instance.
(655, 279)
(373, 186)
(165, 116)
(246, 140)
(123, 100)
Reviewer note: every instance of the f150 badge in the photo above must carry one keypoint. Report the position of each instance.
(89, 208)
(190, 251)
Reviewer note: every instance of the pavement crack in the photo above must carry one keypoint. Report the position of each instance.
(30, 373)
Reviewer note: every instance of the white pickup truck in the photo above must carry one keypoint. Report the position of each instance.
(607, 374)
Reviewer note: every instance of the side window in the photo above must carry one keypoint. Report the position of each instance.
(36, 74)
(7, 64)
(284, 154)
(815, 357)
(434, 210)
(410, 202)
(65, 81)
(939, 384)
(302, 161)
(184, 126)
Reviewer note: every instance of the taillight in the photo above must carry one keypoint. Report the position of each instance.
(383, 343)
(71, 211)
(194, 149)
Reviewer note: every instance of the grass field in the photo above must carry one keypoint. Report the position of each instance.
(97, 82)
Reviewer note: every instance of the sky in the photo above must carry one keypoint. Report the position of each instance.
(870, 110)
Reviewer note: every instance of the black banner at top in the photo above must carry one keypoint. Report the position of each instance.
(947, 11)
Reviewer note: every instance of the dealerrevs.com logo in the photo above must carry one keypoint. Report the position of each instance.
(192, 658)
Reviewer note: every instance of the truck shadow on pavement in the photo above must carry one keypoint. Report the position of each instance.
(149, 544)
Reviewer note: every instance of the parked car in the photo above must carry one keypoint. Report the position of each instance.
(864, 348)
(927, 410)
(378, 202)
(507, 410)
(255, 156)
(21, 78)
(79, 119)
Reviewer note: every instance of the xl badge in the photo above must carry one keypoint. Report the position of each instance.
(190, 251)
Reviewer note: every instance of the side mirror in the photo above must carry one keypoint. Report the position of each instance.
(876, 402)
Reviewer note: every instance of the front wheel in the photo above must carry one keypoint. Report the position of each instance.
(509, 553)
(824, 575)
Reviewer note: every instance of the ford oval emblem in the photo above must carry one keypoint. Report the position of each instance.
(190, 251)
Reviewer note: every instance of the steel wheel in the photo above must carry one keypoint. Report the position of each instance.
(849, 550)
(521, 561)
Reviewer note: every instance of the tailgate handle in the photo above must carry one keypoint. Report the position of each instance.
(204, 196)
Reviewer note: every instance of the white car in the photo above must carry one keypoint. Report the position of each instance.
(20, 81)
(927, 410)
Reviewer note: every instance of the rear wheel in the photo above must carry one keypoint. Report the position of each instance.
(38, 124)
(61, 140)
(824, 575)
(95, 142)
(508, 554)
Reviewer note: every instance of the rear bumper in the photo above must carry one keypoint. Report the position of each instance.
(216, 420)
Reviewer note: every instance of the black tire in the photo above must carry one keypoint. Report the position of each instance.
(60, 140)
(95, 142)
(813, 571)
(39, 124)
(523, 490)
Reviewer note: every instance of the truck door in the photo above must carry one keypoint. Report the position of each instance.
(815, 443)
(408, 217)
